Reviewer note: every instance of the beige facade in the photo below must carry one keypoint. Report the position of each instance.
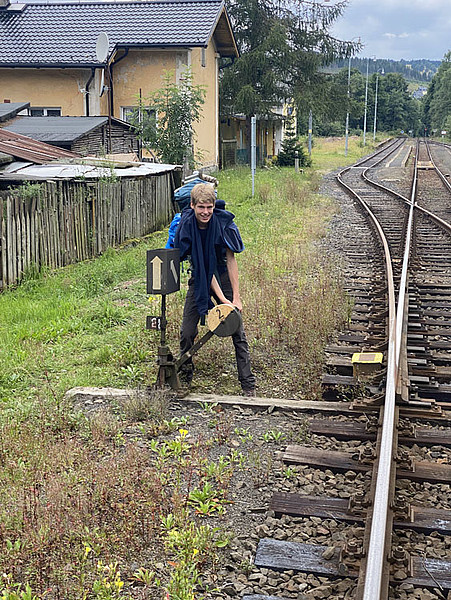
(136, 72)
(56, 88)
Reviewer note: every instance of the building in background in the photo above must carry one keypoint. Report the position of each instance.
(48, 57)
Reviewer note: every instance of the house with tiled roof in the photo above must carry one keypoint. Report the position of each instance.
(50, 56)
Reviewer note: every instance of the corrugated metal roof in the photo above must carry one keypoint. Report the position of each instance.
(63, 130)
(24, 147)
(8, 110)
(25, 171)
(65, 34)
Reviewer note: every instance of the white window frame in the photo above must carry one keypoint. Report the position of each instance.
(45, 110)
(126, 109)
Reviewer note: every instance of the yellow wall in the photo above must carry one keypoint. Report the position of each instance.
(46, 88)
(207, 130)
(141, 70)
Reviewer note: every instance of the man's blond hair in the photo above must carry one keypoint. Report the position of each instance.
(203, 192)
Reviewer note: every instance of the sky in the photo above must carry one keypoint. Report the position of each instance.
(397, 29)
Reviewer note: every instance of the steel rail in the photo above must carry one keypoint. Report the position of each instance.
(395, 144)
(437, 170)
(444, 224)
(378, 536)
(378, 539)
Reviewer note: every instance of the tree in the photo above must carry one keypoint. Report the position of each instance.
(282, 44)
(164, 120)
(290, 146)
(437, 105)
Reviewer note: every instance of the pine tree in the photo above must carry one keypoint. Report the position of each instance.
(290, 146)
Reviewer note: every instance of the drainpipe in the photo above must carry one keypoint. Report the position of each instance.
(110, 73)
(88, 83)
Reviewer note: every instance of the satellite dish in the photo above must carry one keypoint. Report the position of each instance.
(102, 47)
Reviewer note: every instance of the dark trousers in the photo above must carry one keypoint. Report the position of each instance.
(188, 333)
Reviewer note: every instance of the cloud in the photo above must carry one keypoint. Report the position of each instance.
(418, 28)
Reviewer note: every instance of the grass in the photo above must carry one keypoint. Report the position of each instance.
(80, 501)
(329, 153)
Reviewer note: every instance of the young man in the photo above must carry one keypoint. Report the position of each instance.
(210, 238)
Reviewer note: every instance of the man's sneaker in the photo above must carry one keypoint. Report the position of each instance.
(250, 392)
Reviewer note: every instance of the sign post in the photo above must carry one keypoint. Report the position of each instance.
(310, 129)
(253, 151)
(163, 277)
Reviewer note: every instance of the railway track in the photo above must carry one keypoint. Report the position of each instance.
(392, 366)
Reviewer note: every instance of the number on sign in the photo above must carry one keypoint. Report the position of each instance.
(153, 323)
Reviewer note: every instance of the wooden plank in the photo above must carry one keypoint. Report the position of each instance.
(295, 505)
(339, 380)
(342, 430)
(428, 572)
(2, 248)
(19, 251)
(342, 461)
(287, 556)
(29, 230)
(11, 248)
(422, 518)
(325, 459)
(426, 471)
(301, 405)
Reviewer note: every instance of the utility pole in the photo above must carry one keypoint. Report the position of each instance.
(348, 100)
(366, 102)
(347, 112)
(375, 104)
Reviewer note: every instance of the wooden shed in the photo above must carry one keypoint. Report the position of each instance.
(95, 136)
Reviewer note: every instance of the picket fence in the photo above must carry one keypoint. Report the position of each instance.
(62, 222)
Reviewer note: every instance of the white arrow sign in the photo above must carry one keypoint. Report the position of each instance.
(156, 272)
(174, 272)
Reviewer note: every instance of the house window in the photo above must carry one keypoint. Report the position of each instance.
(203, 58)
(128, 112)
(44, 112)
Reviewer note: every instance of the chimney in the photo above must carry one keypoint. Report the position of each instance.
(4, 4)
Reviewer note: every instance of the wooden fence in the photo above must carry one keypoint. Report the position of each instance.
(62, 222)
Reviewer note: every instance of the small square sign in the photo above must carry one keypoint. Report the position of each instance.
(163, 271)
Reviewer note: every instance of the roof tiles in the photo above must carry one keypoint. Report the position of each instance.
(66, 33)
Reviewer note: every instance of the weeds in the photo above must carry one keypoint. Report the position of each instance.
(274, 436)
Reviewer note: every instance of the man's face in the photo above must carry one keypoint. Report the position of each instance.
(203, 211)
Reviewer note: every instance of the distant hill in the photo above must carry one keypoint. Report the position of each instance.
(421, 70)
